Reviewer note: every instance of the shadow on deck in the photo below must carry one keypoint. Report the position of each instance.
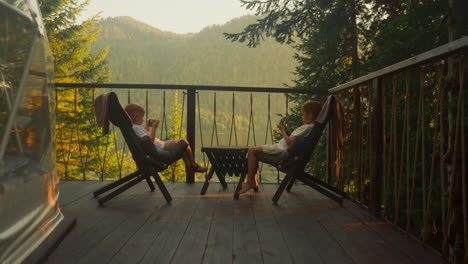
(305, 227)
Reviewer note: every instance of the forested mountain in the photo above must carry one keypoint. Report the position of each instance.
(140, 53)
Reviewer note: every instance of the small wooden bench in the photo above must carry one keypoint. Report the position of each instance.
(226, 161)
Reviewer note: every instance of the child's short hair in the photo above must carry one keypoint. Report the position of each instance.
(133, 109)
(312, 107)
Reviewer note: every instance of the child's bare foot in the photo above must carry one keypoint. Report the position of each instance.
(197, 168)
(247, 186)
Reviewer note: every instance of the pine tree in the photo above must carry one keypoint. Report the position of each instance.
(79, 143)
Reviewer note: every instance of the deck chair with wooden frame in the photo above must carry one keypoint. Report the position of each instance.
(294, 160)
(147, 165)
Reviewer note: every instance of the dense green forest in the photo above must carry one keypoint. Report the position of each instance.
(140, 53)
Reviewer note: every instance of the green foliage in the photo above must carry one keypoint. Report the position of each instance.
(176, 171)
(78, 140)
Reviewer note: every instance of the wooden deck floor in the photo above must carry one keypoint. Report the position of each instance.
(305, 227)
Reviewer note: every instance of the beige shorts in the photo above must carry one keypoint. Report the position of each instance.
(271, 149)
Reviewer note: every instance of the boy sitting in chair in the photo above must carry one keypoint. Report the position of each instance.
(309, 113)
(137, 113)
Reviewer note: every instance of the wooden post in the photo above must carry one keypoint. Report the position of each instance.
(376, 175)
(191, 128)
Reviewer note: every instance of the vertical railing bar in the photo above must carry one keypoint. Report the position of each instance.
(215, 127)
(394, 133)
(164, 117)
(441, 159)
(426, 223)
(80, 146)
(234, 117)
(191, 131)
(370, 94)
(423, 147)
(233, 122)
(461, 107)
(146, 105)
(201, 131)
(408, 168)
(378, 152)
(361, 147)
(404, 140)
(182, 116)
(387, 169)
(250, 121)
(416, 152)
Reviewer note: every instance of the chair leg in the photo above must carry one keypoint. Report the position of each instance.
(150, 183)
(162, 187)
(321, 190)
(289, 177)
(120, 190)
(239, 185)
(290, 185)
(207, 181)
(116, 183)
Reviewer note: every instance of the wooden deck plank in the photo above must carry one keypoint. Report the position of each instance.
(135, 217)
(329, 250)
(305, 227)
(361, 243)
(140, 242)
(273, 245)
(193, 242)
(94, 224)
(412, 248)
(183, 207)
(74, 190)
(220, 237)
(292, 229)
(246, 243)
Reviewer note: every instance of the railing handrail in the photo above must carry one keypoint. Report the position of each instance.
(190, 87)
(431, 55)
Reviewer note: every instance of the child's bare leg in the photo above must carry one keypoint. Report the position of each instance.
(253, 165)
(169, 144)
(188, 158)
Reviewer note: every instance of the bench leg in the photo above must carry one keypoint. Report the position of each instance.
(222, 180)
(289, 177)
(207, 181)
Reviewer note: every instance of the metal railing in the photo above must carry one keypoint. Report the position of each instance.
(404, 133)
(204, 115)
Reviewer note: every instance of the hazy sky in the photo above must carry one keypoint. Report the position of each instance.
(180, 16)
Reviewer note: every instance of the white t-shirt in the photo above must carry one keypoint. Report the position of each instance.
(141, 132)
(282, 145)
